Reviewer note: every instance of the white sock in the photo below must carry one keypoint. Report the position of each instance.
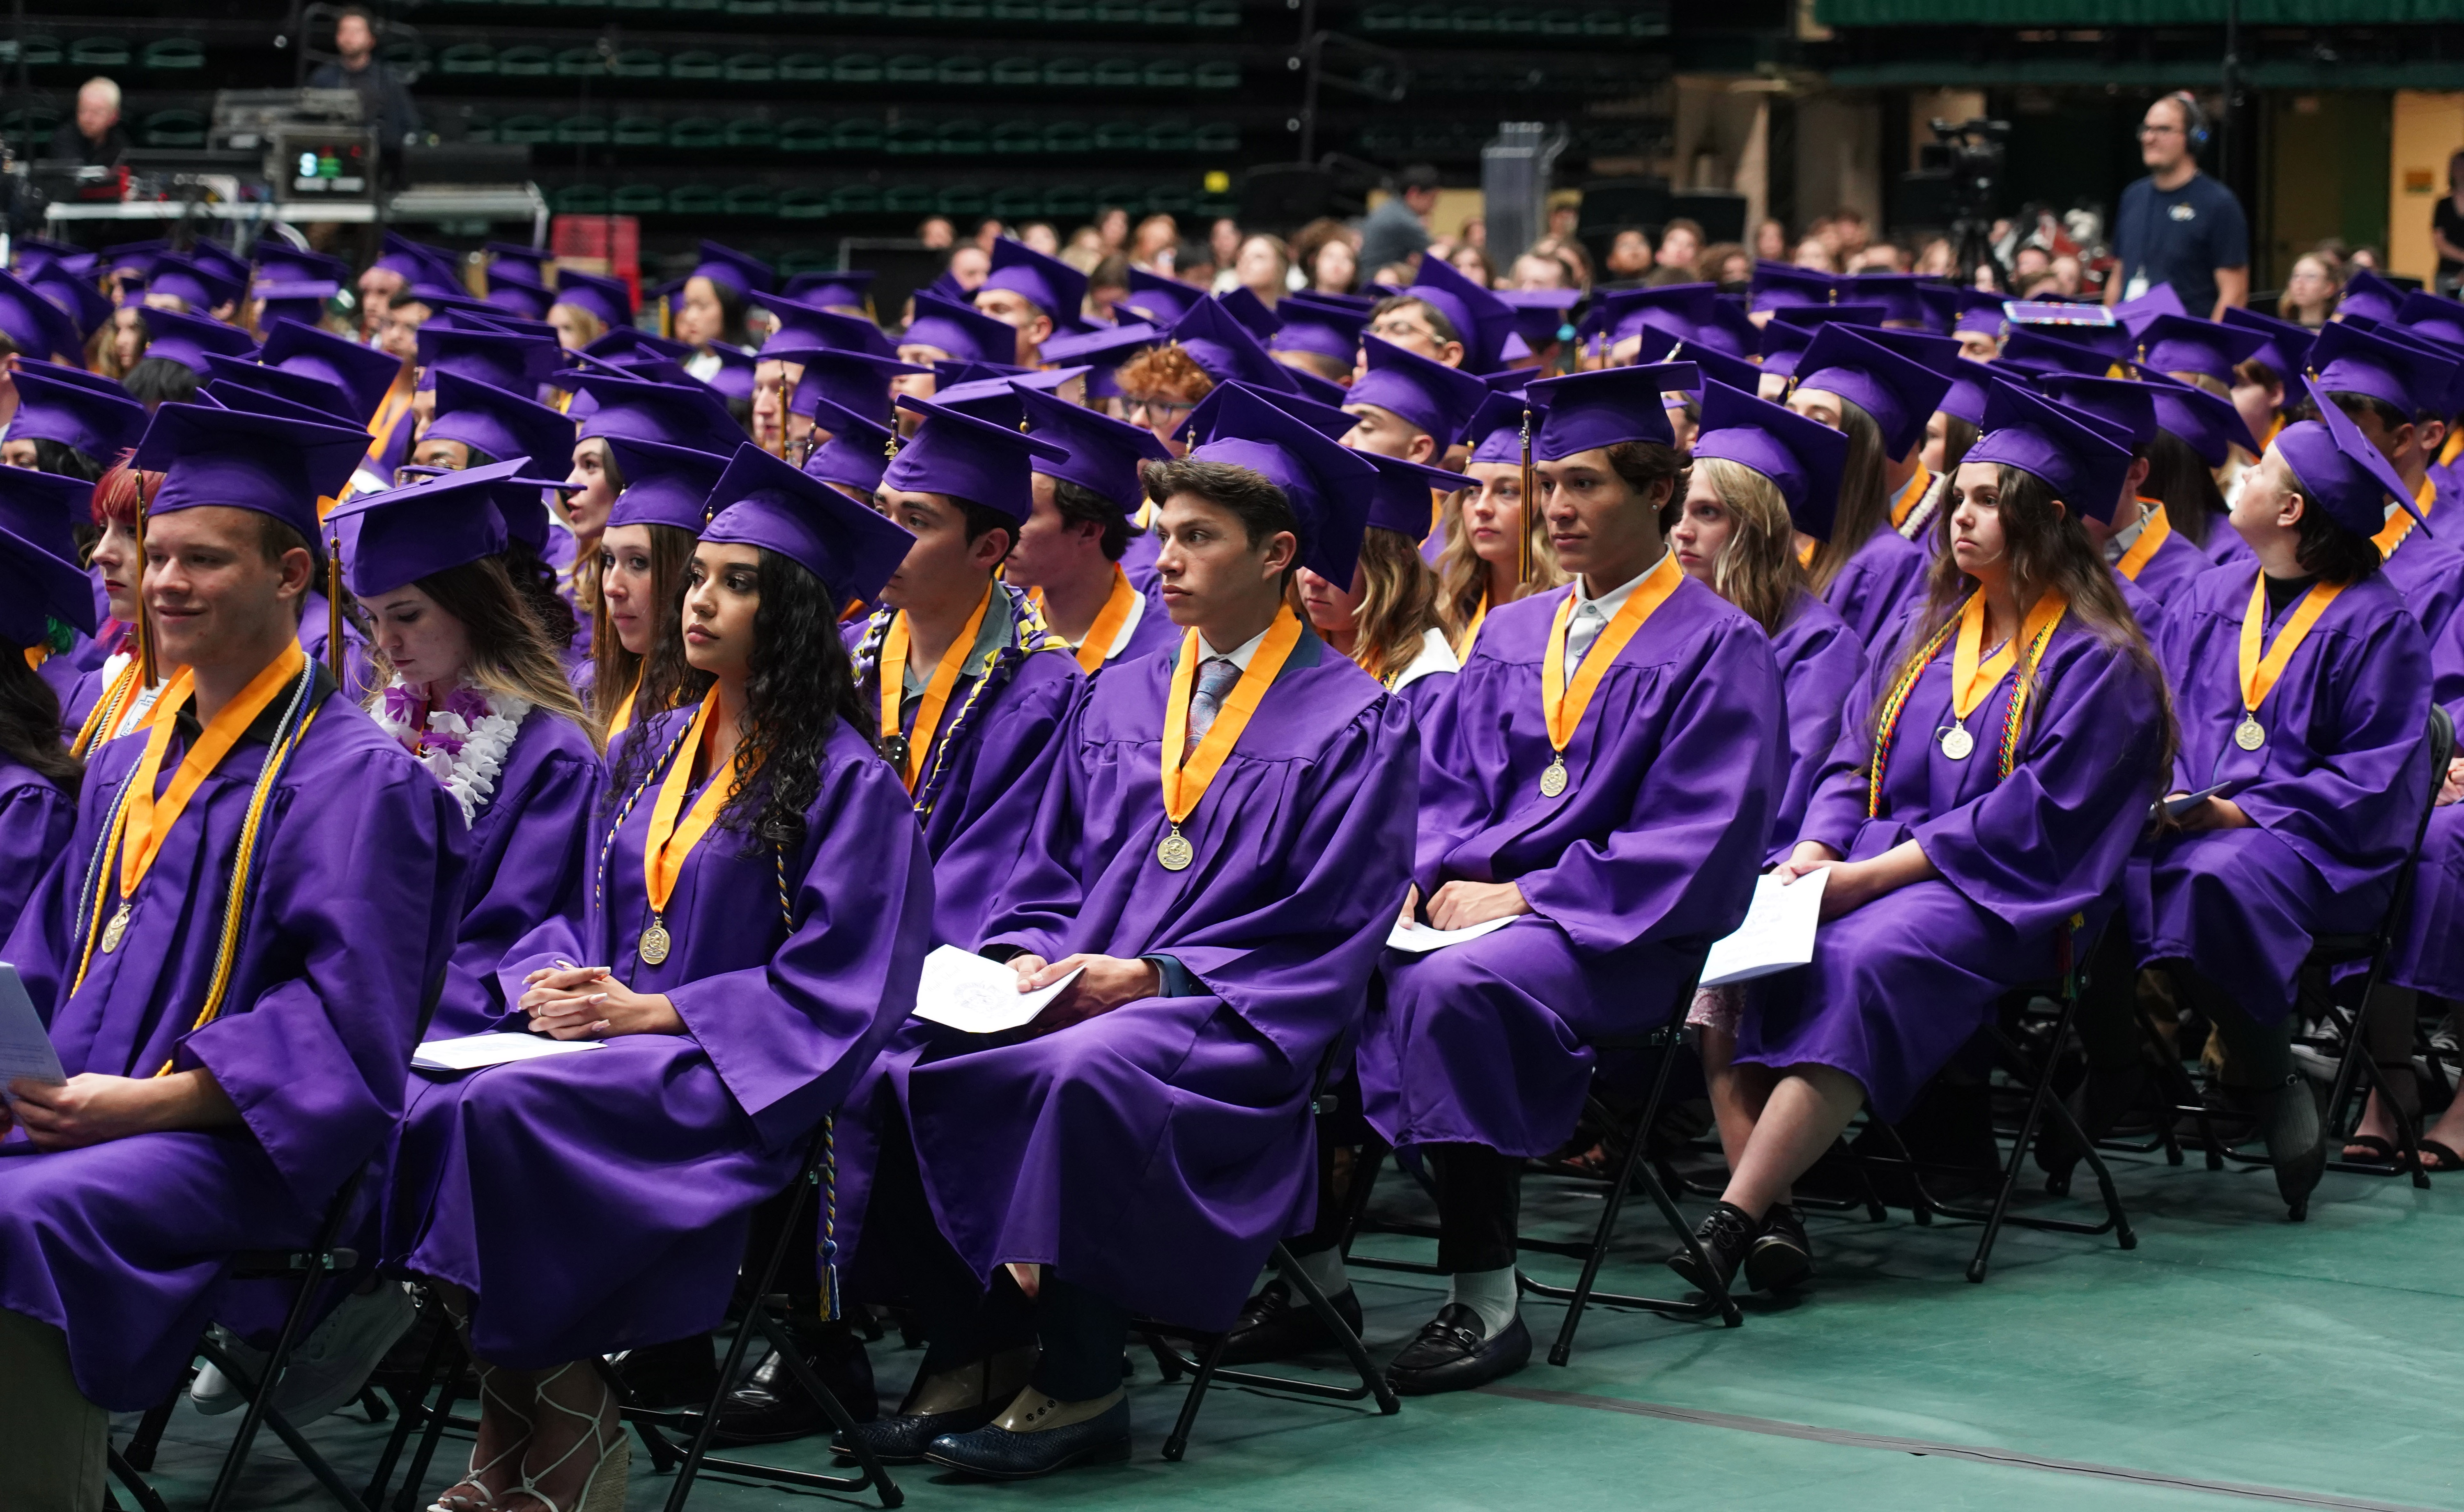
(1326, 1268)
(1490, 1293)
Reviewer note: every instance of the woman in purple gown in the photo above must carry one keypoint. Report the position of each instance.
(39, 588)
(1386, 617)
(570, 1206)
(1493, 551)
(637, 639)
(1993, 770)
(1866, 571)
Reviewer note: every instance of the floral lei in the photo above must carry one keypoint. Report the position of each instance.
(465, 743)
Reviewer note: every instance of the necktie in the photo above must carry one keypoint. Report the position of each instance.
(1215, 679)
(1581, 631)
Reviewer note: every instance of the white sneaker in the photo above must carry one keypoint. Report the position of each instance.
(330, 1366)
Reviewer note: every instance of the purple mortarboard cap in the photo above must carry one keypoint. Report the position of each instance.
(187, 338)
(680, 414)
(1783, 346)
(1318, 329)
(1051, 285)
(511, 262)
(1901, 295)
(1898, 392)
(1496, 431)
(2138, 315)
(2430, 317)
(1809, 317)
(363, 372)
(500, 358)
(2340, 468)
(315, 395)
(857, 452)
(2123, 404)
(1674, 308)
(282, 262)
(134, 257)
(664, 485)
(1103, 351)
(1360, 304)
(958, 330)
(1779, 285)
(735, 374)
(963, 457)
(1428, 395)
(408, 533)
(846, 544)
(2288, 345)
(2370, 297)
(1162, 300)
(1225, 349)
(84, 302)
(950, 370)
(995, 398)
(1803, 458)
(100, 423)
(400, 255)
(1980, 310)
(1246, 307)
(38, 324)
(2084, 464)
(1966, 396)
(44, 509)
(228, 265)
(1540, 315)
(623, 341)
(290, 300)
(1325, 390)
(1591, 410)
(747, 275)
(232, 394)
(2207, 421)
(1937, 352)
(1716, 366)
(2112, 343)
(26, 253)
(529, 301)
(2177, 343)
(498, 422)
(39, 585)
(209, 455)
(1325, 419)
(856, 381)
(1399, 495)
(795, 324)
(71, 373)
(608, 299)
(2415, 377)
(1482, 318)
(2028, 348)
(846, 289)
(1327, 485)
(1103, 454)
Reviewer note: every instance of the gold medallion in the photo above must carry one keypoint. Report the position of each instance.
(655, 943)
(1957, 742)
(1553, 782)
(115, 930)
(1174, 852)
(2248, 734)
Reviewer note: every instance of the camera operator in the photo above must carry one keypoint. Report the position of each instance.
(384, 101)
(2177, 225)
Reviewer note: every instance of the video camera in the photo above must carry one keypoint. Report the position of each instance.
(1969, 156)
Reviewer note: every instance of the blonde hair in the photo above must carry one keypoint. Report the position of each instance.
(1463, 577)
(1758, 570)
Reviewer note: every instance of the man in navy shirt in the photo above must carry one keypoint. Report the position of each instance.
(2177, 225)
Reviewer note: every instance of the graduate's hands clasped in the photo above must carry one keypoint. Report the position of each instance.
(1109, 982)
(587, 1002)
(1461, 905)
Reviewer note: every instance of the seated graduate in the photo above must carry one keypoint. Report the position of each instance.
(1386, 617)
(1602, 772)
(42, 592)
(226, 1075)
(956, 672)
(1495, 550)
(2124, 411)
(1950, 431)
(2436, 324)
(1039, 296)
(1407, 406)
(753, 974)
(1070, 547)
(2195, 434)
(1881, 399)
(2303, 684)
(1993, 767)
(477, 424)
(2394, 392)
(1149, 1140)
(645, 551)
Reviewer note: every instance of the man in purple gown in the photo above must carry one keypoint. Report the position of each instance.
(2316, 784)
(2395, 392)
(224, 1081)
(1069, 552)
(1610, 793)
(1841, 367)
(1144, 1142)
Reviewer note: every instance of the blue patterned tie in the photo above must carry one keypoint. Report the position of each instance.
(1215, 679)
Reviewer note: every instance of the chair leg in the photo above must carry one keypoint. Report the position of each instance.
(1352, 1348)
(1178, 1443)
(148, 1499)
(261, 1399)
(700, 1448)
(407, 1419)
(836, 1410)
(2042, 1103)
(447, 1385)
(141, 1444)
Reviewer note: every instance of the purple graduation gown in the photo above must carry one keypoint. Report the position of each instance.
(1156, 1152)
(359, 672)
(35, 818)
(531, 852)
(1646, 858)
(2429, 574)
(2334, 794)
(1154, 632)
(122, 1244)
(2429, 954)
(1896, 987)
(2169, 569)
(2145, 610)
(1819, 662)
(996, 743)
(1887, 574)
(599, 1201)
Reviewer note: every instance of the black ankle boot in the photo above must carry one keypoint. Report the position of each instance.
(1723, 1237)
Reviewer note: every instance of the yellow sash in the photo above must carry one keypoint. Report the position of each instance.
(2258, 674)
(2152, 537)
(1187, 775)
(1971, 680)
(144, 821)
(937, 692)
(1908, 496)
(622, 719)
(1564, 706)
(1471, 631)
(665, 849)
(2399, 525)
(1108, 620)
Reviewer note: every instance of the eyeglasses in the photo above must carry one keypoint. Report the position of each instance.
(1156, 408)
(2160, 131)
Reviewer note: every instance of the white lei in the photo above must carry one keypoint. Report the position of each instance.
(467, 756)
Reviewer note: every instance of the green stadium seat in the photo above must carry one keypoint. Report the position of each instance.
(1219, 75)
(406, 57)
(1067, 13)
(959, 139)
(1165, 73)
(961, 199)
(1127, 195)
(637, 5)
(1430, 18)
(857, 135)
(910, 10)
(964, 72)
(752, 135)
(39, 52)
(908, 68)
(961, 11)
(1018, 12)
(583, 131)
(1475, 20)
(1560, 23)
(855, 68)
(804, 68)
(1216, 13)
(580, 62)
(1120, 136)
(524, 62)
(805, 134)
(855, 199)
(1165, 12)
(1170, 202)
(1068, 137)
(1385, 18)
(1015, 138)
(1118, 13)
(909, 139)
(803, 204)
(639, 131)
(479, 129)
(1216, 136)
(805, 7)
(1017, 73)
(695, 198)
(1069, 202)
(909, 199)
(1015, 204)
(857, 11)
(173, 53)
(580, 198)
(700, 7)
(467, 58)
(749, 68)
(754, 7)
(638, 199)
(1604, 23)
(1170, 137)
(1113, 72)
(1518, 21)
(173, 128)
(36, 124)
(696, 134)
(749, 199)
(1068, 73)
(639, 62)
(526, 129)
(98, 51)
(693, 66)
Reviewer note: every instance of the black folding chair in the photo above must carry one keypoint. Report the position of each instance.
(1205, 1368)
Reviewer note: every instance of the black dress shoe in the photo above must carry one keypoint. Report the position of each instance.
(1450, 1355)
(902, 1437)
(1724, 1238)
(771, 1407)
(2288, 1116)
(683, 1372)
(1780, 1257)
(1277, 1326)
(1000, 1455)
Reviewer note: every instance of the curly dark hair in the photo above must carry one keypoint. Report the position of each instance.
(62, 460)
(535, 583)
(29, 722)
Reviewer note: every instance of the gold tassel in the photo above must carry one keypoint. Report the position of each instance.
(1531, 503)
(146, 670)
(333, 607)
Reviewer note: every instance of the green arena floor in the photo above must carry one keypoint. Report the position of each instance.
(2230, 1358)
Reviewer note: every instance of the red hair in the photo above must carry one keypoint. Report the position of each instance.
(121, 490)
